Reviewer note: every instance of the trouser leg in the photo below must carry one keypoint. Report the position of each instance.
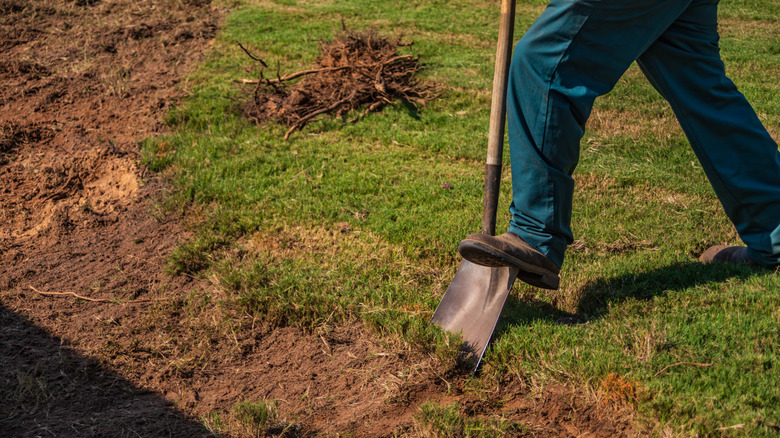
(576, 50)
(737, 154)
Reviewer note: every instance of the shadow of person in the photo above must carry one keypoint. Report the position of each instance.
(596, 296)
(47, 389)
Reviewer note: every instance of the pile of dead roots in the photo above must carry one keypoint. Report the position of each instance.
(355, 71)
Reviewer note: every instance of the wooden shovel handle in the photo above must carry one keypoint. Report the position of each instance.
(498, 117)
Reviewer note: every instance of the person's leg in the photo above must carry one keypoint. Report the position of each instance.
(739, 157)
(576, 50)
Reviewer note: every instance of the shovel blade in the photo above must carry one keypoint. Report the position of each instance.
(472, 306)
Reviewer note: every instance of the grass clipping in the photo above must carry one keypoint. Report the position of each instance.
(355, 71)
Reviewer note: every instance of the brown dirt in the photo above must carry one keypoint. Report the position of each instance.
(82, 82)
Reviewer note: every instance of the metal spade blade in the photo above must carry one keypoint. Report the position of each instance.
(472, 306)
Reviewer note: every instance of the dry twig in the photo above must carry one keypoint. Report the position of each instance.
(682, 363)
(96, 300)
(314, 114)
(354, 71)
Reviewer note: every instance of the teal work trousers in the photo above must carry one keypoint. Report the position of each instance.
(576, 51)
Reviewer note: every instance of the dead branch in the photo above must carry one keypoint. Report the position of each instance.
(301, 123)
(292, 75)
(96, 300)
(355, 71)
(252, 56)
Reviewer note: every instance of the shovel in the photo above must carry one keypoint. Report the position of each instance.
(473, 301)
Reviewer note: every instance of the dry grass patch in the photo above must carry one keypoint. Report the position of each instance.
(741, 27)
(331, 247)
(251, 419)
(642, 342)
(594, 187)
(456, 39)
(617, 390)
(609, 123)
(736, 71)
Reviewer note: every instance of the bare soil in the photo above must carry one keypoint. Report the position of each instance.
(83, 81)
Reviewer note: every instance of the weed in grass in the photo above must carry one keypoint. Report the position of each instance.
(157, 153)
(213, 422)
(435, 421)
(256, 414)
(251, 419)
(32, 389)
(116, 82)
(616, 390)
(647, 342)
(193, 257)
(452, 421)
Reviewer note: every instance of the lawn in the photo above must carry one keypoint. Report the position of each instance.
(361, 220)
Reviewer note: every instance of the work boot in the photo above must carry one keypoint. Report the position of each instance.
(727, 254)
(509, 249)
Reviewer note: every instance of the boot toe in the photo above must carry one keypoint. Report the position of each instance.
(727, 254)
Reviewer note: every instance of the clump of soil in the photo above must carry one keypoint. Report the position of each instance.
(357, 70)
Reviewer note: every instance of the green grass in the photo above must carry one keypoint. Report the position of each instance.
(351, 220)
(446, 422)
(250, 418)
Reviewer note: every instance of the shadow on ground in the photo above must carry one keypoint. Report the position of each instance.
(50, 390)
(594, 298)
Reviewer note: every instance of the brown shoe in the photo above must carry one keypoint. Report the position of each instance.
(509, 249)
(727, 254)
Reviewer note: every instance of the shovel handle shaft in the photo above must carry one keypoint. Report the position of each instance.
(498, 117)
(490, 203)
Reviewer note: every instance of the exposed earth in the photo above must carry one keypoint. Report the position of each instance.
(83, 82)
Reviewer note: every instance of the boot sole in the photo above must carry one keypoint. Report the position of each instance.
(485, 255)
